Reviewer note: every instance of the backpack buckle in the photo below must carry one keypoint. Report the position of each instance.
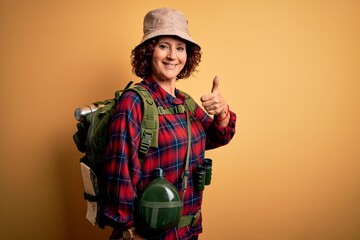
(196, 218)
(179, 109)
(146, 141)
(161, 110)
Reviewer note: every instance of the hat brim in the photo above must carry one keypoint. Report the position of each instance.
(169, 31)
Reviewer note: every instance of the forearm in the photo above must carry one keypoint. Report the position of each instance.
(218, 133)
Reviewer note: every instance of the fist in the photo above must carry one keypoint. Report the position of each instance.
(214, 103)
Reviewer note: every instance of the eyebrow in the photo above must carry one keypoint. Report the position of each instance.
(177, 44)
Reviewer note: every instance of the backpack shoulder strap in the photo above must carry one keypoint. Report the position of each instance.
(190, 102)
(150, 121)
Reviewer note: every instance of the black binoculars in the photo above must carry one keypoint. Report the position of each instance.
(203, 174)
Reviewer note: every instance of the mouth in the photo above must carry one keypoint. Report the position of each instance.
(170, 65)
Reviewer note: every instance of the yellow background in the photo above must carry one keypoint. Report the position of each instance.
(289, 69)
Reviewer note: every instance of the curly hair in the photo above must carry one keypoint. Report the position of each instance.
(141, 58)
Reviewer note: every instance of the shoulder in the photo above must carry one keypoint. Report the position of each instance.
(129, 102)
(130, 96)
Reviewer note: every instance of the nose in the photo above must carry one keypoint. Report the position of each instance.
(171, 53)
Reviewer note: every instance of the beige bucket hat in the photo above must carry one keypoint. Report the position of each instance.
(166, 21)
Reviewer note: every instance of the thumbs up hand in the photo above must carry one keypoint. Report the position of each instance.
(214, 103)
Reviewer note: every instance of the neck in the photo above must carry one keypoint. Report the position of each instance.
(167, 85)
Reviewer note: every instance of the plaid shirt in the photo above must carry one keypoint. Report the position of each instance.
(127, 178)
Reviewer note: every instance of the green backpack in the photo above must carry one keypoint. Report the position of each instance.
(91, 139)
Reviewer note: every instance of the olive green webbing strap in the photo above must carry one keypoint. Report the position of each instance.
(188, 219)
(151, 204)
(186, 171)
(149, 124)
(156, 206)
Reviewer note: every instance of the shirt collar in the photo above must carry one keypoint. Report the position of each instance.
(162, 97)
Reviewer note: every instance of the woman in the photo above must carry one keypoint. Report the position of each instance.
(165, 54)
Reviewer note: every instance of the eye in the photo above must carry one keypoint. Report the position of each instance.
(163, 46)
(181, 49)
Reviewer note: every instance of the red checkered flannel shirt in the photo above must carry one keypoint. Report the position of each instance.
(127, 178)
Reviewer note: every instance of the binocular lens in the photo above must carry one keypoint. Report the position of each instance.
(208, 170)
(200, 177)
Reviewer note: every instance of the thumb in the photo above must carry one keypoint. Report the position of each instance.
(215, 85)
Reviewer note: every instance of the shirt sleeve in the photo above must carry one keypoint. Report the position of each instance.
(122, 166)
(216, 136)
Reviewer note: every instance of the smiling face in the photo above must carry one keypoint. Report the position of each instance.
(168, 59)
